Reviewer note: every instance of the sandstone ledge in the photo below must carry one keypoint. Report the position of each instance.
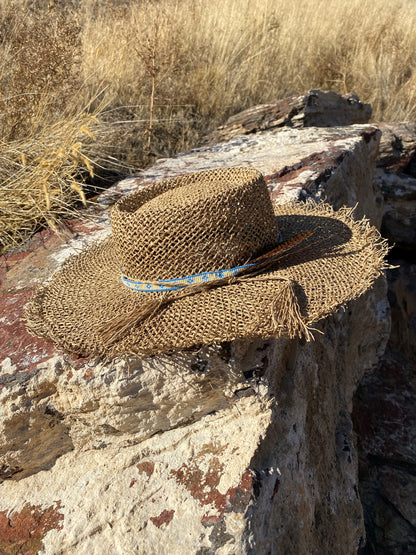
(236, 448)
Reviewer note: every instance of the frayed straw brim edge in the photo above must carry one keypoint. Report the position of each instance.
(378, 246)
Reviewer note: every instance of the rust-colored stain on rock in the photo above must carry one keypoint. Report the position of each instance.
(164, 518)
(23, 531)
(146, 467)
(89, 374)
(235, 499)
(24, 350)
(321, 164)
(203, 484)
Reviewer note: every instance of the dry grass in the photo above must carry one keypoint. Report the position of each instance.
(42, 184)
(157, 75)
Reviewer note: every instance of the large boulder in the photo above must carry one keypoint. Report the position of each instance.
(235, 448)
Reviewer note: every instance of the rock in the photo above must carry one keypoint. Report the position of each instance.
(244, 461)
(234, 448)
(336, 164)
(402, 299)
(399, 218)
(395, 181)
(385, 421)
(384, 407)
(398, 147)
(313, 109)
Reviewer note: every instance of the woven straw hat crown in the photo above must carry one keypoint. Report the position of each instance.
(203, 222)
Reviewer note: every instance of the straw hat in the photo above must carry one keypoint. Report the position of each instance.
(205, 258)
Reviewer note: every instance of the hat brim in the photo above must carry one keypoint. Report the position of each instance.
(336, 264)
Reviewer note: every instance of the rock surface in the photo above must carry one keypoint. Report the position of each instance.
(385, 421)
(314, 109)
(384, 407)
(399, 218)
(398, 147)
(402, 299)
(235, 448)
(396, 178)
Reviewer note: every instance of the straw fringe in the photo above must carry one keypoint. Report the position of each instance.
(120, 325)
(286, 312)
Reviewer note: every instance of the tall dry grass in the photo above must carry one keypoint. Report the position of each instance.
(159, 74)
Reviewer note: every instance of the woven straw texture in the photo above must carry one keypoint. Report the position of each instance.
(200, 222)
(206, 221)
